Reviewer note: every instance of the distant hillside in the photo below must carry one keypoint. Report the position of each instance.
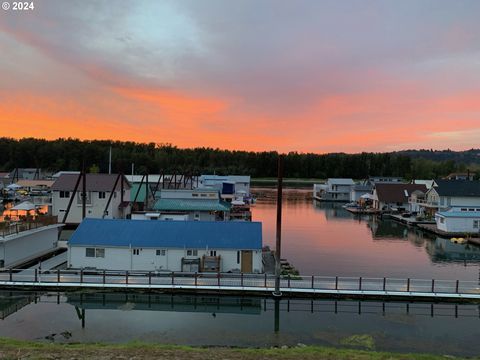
(71, 154)
(471, 156)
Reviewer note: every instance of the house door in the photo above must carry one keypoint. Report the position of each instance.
(247, 261)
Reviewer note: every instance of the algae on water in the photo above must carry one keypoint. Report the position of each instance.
(364, 341)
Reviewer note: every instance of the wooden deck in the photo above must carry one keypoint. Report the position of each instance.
(252, 284)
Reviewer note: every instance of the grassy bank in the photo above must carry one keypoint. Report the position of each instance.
(17, 349)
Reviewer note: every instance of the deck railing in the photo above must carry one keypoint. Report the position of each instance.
(257, 282)
(9, 228)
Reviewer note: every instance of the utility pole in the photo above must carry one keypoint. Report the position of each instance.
(278, 246)
(84, 193)
(110, 161)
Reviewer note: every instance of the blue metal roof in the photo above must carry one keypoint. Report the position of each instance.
(169, 234)
(460, 214)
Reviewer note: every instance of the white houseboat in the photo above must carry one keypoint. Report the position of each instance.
(167, 245)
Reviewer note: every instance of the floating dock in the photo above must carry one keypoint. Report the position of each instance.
(251, 284)
(433, 229)
(361, 211)
(411, 221)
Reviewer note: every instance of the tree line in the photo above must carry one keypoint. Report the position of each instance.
(74, 154)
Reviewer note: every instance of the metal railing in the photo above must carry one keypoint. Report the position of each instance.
(354, 285)
(9, 228)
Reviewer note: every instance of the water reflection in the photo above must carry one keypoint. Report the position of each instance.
(166, 302)
(11, 302)
(241, 321)
(443, 250)
(325, 239)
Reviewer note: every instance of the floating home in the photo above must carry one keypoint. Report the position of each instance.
(167, 246)
(231, 187)
(99, 187)
(464, 220)
(446, 194)
(394, 196)
(358, 191)
(333, 190)
(193, 205)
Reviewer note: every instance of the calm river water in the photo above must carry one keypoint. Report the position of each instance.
(325, 239)
(320, 239)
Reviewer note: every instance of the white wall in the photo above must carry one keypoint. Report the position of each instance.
(27, 244)
(465, 201)
(94, 210)
(124, 259)
(457, 225)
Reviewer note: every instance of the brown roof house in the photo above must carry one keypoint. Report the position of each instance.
(99, 188)
(392, 197)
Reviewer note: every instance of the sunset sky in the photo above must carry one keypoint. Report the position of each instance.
(311, 76)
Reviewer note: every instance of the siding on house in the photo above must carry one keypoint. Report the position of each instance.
(458, 221)
(98, 188)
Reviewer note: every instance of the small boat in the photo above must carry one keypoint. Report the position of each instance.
(458, 240)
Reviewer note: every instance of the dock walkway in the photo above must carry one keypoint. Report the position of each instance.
(253, 284)
(411, 220)
(50, 263)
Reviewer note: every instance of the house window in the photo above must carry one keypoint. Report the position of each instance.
(194, 195)
(88, 198)
(471, 209)
(161, 252)
(196, 217)
(213, 252)
(476, 224)
(442, 220)
(192, 252)
(203, 195)
(102, 195)
(136, 251)
(95, 252)
(238, 257)
(64, 194)
(463, 209)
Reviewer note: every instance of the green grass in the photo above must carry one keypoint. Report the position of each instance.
(14, 349)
